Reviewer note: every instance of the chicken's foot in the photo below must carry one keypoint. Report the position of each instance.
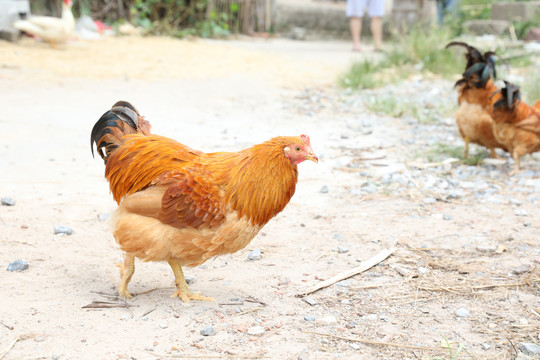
(182, 289)
(127, 268)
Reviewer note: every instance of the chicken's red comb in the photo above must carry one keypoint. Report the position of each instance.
(305, 139)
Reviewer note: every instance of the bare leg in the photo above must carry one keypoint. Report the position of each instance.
(356, 29)
(182, 290)
(466, 149)
(126, 272)
(376, 31)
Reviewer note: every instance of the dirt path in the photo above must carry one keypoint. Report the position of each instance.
(465, 236)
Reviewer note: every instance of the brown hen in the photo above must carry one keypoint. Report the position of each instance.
(184, 206)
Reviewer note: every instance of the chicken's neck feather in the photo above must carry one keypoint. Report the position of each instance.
(258, 182)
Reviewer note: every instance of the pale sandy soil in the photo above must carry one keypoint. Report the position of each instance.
(216, 95)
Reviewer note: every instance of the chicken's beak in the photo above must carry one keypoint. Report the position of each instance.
(311, 156)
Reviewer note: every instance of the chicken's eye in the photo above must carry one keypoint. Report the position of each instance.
(297, 148)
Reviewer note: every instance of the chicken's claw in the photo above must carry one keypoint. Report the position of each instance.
(185, 296)
(124, 294)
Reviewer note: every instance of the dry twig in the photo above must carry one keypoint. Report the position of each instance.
(8, 348)
(371, 342)
(365, 265)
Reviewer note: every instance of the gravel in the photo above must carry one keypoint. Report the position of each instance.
(18, 265)
(255, 255)
(462, 312)
(342, 249)
(208, 331)
(256, 330)
(324, 189)
(311, 301)
(63, 230)
(7, 201)
(529, 348)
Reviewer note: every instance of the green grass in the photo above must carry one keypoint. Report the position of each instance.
(421, 49)
(440, 152)
(453, 354)
(531, 88)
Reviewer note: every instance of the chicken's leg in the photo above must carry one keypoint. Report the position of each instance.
(127, 268)
(515, 156)
(182, 290)
(494, 155)
(466, 149)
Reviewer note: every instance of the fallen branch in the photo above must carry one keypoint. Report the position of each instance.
(8, 348)
(371, 342)
(364, 265)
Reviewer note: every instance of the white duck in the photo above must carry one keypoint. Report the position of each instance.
(51, 29)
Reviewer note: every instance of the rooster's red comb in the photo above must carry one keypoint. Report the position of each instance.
(305, 139)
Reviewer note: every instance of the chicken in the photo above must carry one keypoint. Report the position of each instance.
(183, 206)
(474, 89)
(516, 124)
(51, 29)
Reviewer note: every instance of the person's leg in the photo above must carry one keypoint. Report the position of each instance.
(376, 12)
(355, 12)
(376, 31)
(356, 30)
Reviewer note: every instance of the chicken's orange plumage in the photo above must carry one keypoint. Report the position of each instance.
(516, 124)
(184, 206)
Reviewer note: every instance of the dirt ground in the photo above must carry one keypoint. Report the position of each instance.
(452, 254)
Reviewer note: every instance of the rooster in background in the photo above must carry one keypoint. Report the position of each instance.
(183, 206)
(51, 29)
(474, 90)
(516, 124)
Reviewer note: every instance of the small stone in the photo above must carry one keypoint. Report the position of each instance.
(190, 279)
(383, 317)
(370, 317)
(55, 357)
(104, 217)
(422, 270)
(355, 346)
(328, 320)
(529, 348)
(522, 269)
(324, 189)
(309, 318)
(311, 301)
(462, 312)
(63, 229)
(163, 325)
(430, 200)
(17, 265)
(486, 346)
(208, 331)
(486, 248)
(520, 212)
(338, 236)
(256, 330)
(39, 339)
(342, 249)
(144, 318)
(345, 301)
(351, 325)
(255, 255)
(447, 217)
(344, 283)
(7, 201)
